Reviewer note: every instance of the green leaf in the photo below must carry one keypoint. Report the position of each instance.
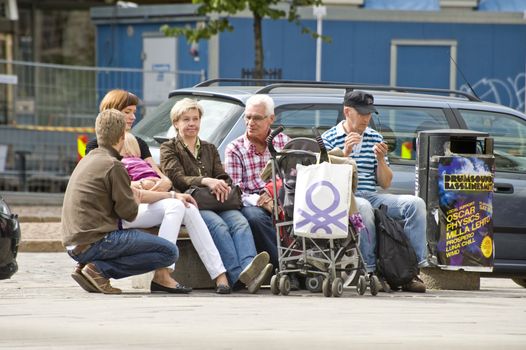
(220, 9)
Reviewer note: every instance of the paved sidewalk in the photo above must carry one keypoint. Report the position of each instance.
(43, 308)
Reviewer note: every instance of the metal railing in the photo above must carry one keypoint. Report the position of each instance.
(50, 106)
(65, 95)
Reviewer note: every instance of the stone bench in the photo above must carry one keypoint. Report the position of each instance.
(189, 269)
(436, 278)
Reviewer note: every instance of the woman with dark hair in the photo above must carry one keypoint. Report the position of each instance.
(127, 103)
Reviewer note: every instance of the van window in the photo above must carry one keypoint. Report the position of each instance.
(298, 119)
(399, 127)
(509, 137)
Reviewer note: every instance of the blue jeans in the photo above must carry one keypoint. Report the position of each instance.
(233, 238)
(124, 253)
(263, 230)
(410, 209)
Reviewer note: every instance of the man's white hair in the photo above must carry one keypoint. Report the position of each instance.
(262, 99)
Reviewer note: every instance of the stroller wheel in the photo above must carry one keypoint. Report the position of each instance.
(274, 286)
(361, 286)
(284, 285)
(374, 284)
(350, 263)
(337, 287)
(314, 284)
(326, 287)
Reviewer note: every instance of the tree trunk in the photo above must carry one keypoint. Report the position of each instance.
(258, 46)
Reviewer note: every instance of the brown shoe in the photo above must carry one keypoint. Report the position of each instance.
(98, 281)
(416, 286)
(82, 280)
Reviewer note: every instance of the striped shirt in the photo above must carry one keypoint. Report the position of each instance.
(362, 153)
(244, 164)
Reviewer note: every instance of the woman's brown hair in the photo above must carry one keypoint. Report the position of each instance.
(118, 99)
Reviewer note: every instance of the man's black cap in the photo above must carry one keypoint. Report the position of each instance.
(360, 100)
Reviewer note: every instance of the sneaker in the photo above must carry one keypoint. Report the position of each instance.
(378, 283)
(254, 285)
(101, 283)
(311, 259)
(416, 286)
(255, 267)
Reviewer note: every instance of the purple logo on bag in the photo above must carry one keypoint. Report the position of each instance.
(322, 218)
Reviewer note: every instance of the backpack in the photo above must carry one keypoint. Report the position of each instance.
(396, 258)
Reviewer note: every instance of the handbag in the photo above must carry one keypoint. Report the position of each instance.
(206, 200)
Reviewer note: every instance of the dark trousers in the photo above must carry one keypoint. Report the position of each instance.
(263, 230)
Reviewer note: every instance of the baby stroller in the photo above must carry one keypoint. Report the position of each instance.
(328, 265)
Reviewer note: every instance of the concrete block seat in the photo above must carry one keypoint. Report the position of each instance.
(189, 269)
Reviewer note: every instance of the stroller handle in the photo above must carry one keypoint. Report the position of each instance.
(324, 156)
(271, 137)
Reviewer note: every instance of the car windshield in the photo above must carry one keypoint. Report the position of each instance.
(218, 118)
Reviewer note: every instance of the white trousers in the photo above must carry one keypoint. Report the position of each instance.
(170, 214)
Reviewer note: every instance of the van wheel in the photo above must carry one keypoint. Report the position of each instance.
(520, 281)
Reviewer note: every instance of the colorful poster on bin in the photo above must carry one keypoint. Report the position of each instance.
(465, 186)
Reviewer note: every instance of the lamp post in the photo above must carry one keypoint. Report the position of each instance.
(319, 12)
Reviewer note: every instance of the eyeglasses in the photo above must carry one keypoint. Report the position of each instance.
(255, 118)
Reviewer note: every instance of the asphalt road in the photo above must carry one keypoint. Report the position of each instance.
(41, 307)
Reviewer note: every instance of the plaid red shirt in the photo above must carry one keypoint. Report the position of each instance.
(244, 164)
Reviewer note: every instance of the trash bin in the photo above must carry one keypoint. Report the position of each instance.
(9, 240)
(454, 176)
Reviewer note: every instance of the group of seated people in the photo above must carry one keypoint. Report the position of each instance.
(117, 189)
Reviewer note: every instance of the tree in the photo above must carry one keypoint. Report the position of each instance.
(260, 9)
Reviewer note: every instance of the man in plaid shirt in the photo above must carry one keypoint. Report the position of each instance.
(245, 158)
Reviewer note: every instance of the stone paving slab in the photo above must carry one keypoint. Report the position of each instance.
(40, 230)
(37, 213)
(40, 237)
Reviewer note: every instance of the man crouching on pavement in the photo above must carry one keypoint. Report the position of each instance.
(97, 197)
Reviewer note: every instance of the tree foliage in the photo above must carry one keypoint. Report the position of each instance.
(260, 9)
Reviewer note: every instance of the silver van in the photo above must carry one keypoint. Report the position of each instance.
(403, 112)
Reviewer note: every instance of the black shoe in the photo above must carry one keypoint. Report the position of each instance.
(223, 289)
(179, 288)
(238, 286)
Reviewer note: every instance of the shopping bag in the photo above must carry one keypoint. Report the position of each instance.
(321, 203)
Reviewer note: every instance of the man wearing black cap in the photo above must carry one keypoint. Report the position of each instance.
(365, 145)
